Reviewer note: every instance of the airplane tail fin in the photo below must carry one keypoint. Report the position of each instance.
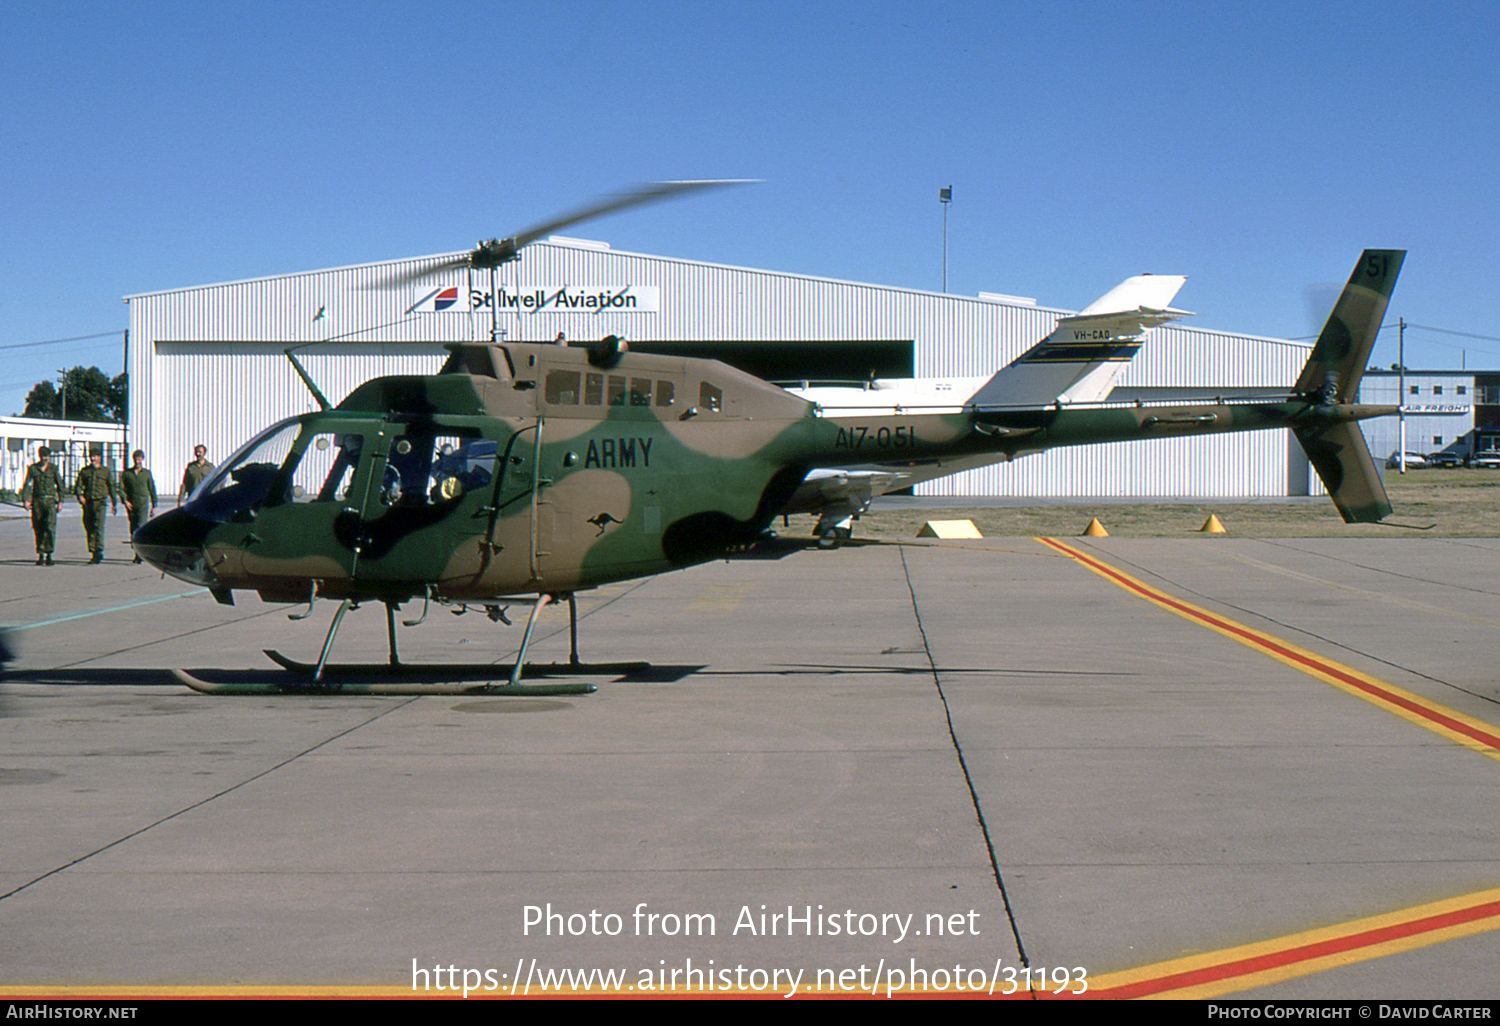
(1331, 375)
(1084, 356)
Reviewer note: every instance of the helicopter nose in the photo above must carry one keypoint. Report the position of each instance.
(173, 543)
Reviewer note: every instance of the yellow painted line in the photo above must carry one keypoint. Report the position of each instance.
(1449, 723)
(1231, 970)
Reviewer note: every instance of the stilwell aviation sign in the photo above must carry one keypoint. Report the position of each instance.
(582, 299)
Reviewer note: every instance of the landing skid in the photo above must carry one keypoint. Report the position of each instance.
(397, 678)
(452, 671)
(303, 686)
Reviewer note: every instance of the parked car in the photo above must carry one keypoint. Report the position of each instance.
(1443, 459)
(1486, 460)
(1413, 459)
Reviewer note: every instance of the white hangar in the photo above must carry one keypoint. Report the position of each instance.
(206, 364)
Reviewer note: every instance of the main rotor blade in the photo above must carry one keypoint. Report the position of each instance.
(640, 195)
(393, 281)
(499, 251)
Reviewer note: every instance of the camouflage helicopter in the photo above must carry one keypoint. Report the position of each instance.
(526, 472)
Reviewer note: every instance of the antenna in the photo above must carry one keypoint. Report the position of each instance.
(306, 378)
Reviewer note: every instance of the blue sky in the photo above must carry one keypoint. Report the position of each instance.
(1256, 147)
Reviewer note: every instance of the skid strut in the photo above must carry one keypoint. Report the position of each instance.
(376, 679)
(572, 631)
(536, 610)
(333, 629)
(390, 631)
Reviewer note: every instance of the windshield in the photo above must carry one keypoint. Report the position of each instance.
(284, 463)
(244, 480)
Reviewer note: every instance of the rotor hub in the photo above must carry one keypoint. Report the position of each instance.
(493, 253)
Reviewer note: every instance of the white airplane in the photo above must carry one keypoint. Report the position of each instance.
(1080, 362)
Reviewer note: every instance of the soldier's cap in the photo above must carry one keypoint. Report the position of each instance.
(43, 452)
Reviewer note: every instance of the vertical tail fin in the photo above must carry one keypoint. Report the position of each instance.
(1331, 375)
(1342, 459)
(1338, 359)
(1084, 356)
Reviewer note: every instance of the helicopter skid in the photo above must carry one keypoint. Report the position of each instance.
(454, 671)
(305, 686)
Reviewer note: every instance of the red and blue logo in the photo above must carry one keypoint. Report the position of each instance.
(436, 301)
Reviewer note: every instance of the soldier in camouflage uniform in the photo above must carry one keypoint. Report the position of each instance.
(42, 493)
(139, 491)
(95, 483)
(194, 473)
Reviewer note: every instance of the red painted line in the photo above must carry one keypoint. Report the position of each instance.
(1262, 642)
(1303, 953)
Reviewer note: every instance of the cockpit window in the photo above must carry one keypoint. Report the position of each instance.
(425, 469)
(246, 479)
(327, 467)
(278, 466)
(461, 465)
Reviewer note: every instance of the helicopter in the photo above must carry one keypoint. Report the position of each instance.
(525, 472)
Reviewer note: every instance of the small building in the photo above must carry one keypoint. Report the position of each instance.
(72, 443)
(1454, 412)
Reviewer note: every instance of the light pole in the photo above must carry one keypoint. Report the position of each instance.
(945, 197)
(1401, 394)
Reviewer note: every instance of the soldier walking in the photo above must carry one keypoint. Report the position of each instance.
(138, 489)
(196, 471)
(95, 484)
(42, 493)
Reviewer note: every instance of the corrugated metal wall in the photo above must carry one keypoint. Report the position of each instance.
(207, 366)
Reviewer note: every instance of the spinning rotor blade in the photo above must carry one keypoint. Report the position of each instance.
(500, 251)
(408, 277)
(640, 195)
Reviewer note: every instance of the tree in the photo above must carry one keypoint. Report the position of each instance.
(119, 398)
(42, 401)
(88, 394)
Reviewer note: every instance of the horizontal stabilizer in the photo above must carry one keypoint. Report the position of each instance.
(1086, 354)
(1342, 459)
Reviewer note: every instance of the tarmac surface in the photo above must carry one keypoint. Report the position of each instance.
(1188, 788)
